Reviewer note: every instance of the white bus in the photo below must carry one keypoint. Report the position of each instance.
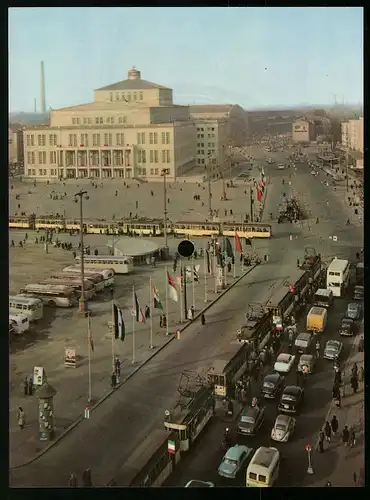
(96, 279)
(52, 295)
(89, 288)
(263, 469)
(120, 265)
(107, 274)
(338, 276)
(31, 307)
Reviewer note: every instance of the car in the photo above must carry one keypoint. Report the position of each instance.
(194, 483)
(354, 311)
(348, 327)
(333, 349)
(284, 363)
(233, 460)
(250, 420)
(272, 385)
(358, 293)
(303, 342)
(283, 428)
(308, 361)
(281, 166)
(291, 399)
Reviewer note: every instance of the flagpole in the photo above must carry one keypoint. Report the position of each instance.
(205, 275)
(242, 252)
(151, 312)
(234, 265)
(113, 331)
(225, 268)
(133, 324)
(89, 348)
(180, 286)
(166, 271)
(192, 265)
(214, 267)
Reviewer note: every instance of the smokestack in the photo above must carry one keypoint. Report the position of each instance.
(34, 105)
(43, 103)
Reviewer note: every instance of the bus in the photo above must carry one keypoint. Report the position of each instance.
(187, 229)
(107, 274)
(228, 368)
(31, 307)
(251, 230)
(96, 279)
(338, 277)
(120, 265)
(263, 469)
(75, 283)
(281, 304)
(52, 295)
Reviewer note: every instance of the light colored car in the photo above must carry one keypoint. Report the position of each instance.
(284, 363)
(307, 361)
(281, 166)
(353, 311)
(283, 428)
(194, 483)
(333, 349)
(303, 342)
(233, 460)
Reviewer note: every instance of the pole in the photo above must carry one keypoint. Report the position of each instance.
(180, 302)
(225, 269)
(133, 324)
(82, 301)
(347, 187)
(223, 187)
(165, 207)
(251, 202)
(205, 275)
(234, 265)
(151, 312)
(183, 274)
(89, 347)
(209, 191)
(309, 468)
(113, 330)
(193, 287)
(214, 267)
(166, 299)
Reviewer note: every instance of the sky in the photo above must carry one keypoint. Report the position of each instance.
(254, 57)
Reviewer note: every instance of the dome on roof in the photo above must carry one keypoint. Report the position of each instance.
(134, 74)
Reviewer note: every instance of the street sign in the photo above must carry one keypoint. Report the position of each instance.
(308, 447)
(87, 412)
(335, 238)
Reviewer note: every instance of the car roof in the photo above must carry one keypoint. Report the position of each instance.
(282, 419)
(272, 376)
(292, 389)
(251, 411)
(306, 357)
(304, 335)
(196, 483)
(333, 343)
(284, 357)
(234, 452)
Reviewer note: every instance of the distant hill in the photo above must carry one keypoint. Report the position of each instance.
(29, 118)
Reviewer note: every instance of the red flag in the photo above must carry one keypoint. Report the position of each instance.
(238, 245)
(259, 195)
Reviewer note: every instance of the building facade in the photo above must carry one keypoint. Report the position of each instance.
(303, 131)
(15, 144)
(131, 130)
(353, 135)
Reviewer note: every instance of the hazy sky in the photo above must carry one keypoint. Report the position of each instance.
(255, 57)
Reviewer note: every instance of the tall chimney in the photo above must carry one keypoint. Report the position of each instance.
(43, 103)
(34, 105)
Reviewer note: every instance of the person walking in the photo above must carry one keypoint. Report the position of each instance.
(345, 436)
(72, 480)
(30, 386)
(354, 383)
(21, 417)
(203, 319)
(327, 431)
(361, 374)
(147, 312)
(25, 386)
(334, 425)
(321, 441)
(113, 380)
(352, 437)
(161, 321)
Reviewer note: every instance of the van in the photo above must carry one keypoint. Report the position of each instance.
(263, 469)
(317, 319)
(323, 298)
(20, 323)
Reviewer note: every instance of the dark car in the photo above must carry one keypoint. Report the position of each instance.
(272, 385)
(250, 420)
(348, 327)
(291, 399)
(354, 311)
(358, 293)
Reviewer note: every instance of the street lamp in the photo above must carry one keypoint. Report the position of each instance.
(164, 173)
(82, 308)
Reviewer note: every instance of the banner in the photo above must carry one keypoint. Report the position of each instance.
(39, 377)
(70, 357)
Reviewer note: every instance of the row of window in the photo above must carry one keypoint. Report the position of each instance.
(210, 144)
(99, 120)
(210, 129)
(128, 97)
(153, 138)
(154, 156)
(202, 161)
(210, 136)
(201, 151)
(54, 171)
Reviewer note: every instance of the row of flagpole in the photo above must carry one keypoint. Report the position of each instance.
(117, 322)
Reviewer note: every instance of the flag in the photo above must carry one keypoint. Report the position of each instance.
(259, 195)
(209, 262)
(157, 304)
(248, 242)
(91, 342)
(140, 318)
(227, 248)
(195, 273)
(172, 290)
(119, 324)
(238, 244)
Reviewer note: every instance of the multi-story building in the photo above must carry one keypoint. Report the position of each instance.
(353, 135)
(15, 144)
(131, 130)
(303, 131)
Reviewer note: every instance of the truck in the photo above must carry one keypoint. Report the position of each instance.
(317, 319)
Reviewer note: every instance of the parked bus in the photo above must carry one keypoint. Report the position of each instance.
(29, 306)
(96, 279)
(52, 295)
(120, 265)
(107, 274)
(338, 277)
(263, 469)
(75, 283)
(228, 368)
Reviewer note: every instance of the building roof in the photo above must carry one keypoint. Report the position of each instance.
(137, 84)
(104, 105)
(210, 108)
(134, 247)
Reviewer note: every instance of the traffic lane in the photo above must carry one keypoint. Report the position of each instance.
(202, 462)
(104, 442)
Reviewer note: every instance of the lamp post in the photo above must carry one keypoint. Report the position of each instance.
(165, 172)
(229, 159)
(208, 170)
(82, 302)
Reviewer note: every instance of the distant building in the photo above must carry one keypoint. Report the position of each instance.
(15, 144)
(353, 135)
(303, 130)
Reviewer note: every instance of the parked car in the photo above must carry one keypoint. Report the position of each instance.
(358, 293)
(348, 327)
(284, 363)
(250, 420)
(306, 360)
(303, 342)
(194, 483)
(354, 311)
(291, 399)
(333, 349)
(283, 428)
(272, 384)
(234, 459)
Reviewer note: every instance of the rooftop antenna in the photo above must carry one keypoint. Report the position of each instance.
(34, 105)
(42, 90)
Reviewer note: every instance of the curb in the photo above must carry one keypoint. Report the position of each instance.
(100, 401)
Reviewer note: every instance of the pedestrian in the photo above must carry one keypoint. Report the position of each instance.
(20, 417)
(327, 431)
(345, 436)
(192, 311)
(328, 484)
(72, 480)
(30, 386)
(25, 386)
(352, 437)
(354, 369)
(147, 312)
(190, 314)
(361, 374)
(354, 383)
(321, 441)
(117, 367)
(203, 319)
(164, 321)
(113, 380)
(334, 425)
(161, 321)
